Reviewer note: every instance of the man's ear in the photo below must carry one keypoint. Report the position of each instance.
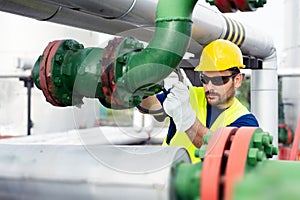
(238, 80)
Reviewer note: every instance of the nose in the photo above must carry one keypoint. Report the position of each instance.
(209, 85)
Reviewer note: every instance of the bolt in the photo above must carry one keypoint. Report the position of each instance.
(139, 46)
(275, 151)
(260, 155)
(200, 153)
(211, 2)
(265, 140)
(69, 44)
(128, 43)
(271, 138)
(257, 140)
(79, 46)
(252, 156)
(66, 99)
(260, 3)
(269, 151)
(197, 153)
(58, 59)
(205, 139)
(257, 3)
(57, 81)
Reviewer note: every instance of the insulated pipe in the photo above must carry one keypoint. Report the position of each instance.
(264, 96)
(208, 24)
(47, 11)
(88, 172)
(133, 11)
(291, 86)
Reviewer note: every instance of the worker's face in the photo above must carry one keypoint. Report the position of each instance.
(218, 92)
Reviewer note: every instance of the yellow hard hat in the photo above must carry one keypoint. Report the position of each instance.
(220, 55)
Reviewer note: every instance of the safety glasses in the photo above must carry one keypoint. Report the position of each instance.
(216, 80)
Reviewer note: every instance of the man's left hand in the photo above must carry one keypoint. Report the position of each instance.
(177, 105)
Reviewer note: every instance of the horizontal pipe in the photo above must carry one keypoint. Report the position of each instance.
(87, 172)
(271, 180)
(45, 11)
(133, 11)
(208, 24)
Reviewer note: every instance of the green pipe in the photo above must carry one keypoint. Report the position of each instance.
(187, 181)
(271, 180)
(165, 50)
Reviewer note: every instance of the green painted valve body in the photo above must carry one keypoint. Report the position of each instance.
(69, 73)
(123, 73)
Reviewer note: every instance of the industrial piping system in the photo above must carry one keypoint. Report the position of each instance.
(234, 166)
(223, 149)
(208, 25)
(127, 72)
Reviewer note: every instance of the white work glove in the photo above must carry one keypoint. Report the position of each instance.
(177, 105)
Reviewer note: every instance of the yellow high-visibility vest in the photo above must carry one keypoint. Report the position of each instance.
(198, 103)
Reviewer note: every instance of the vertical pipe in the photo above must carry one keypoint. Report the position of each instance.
(28, 83)
(29, 86)
(264, 96)
(291, 86)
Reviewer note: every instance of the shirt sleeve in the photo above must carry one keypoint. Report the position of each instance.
(245, 120)
(161, 96)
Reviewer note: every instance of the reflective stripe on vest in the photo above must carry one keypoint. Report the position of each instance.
(198, 103)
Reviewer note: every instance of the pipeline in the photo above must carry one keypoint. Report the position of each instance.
(234, 165)
(88, 172)
(66, 72)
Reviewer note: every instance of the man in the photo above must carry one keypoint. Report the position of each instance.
(198, 110)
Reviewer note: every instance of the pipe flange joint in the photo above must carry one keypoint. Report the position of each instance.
(52, 75)
(114, 65)
(61, 76)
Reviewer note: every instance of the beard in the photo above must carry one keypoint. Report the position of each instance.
(214, 98)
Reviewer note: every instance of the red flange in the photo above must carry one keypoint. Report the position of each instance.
(108, 73)
(237, 159)
(295, 146)
(213, 164)
(242, 5)
(226, 6)
(45, 72)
